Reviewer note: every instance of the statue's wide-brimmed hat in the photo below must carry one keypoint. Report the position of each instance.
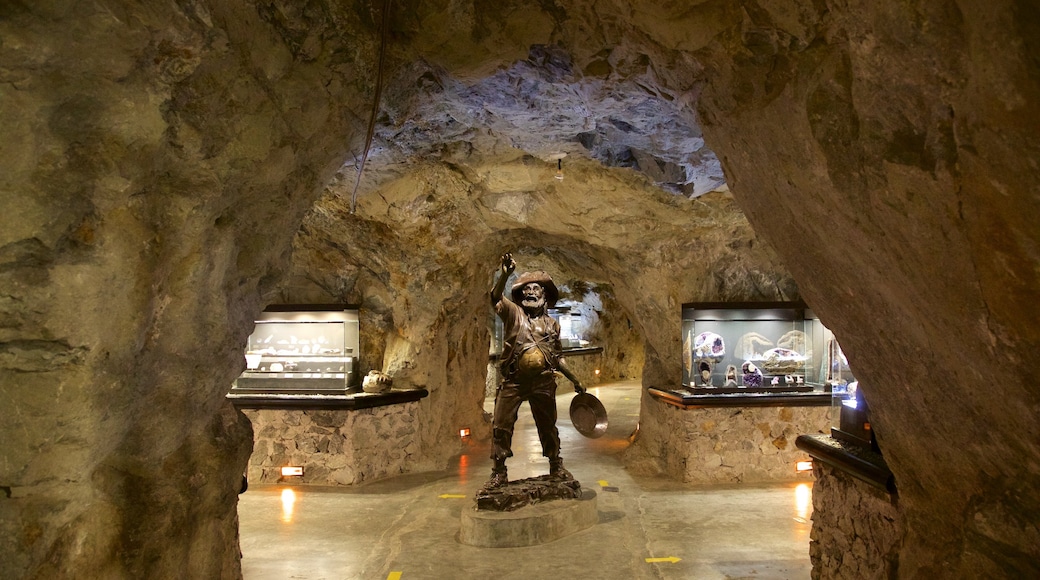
(545, 280)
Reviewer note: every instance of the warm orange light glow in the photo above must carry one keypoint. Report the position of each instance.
(291, 470)
(802, 500)
(464, 432)
(597, 371)
(288, 499)
(635, 433)
(803, 466)
(464, 469)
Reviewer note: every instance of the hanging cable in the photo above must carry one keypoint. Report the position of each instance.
(385, 25)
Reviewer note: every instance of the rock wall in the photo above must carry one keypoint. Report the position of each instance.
(895, 171)
(622, 356)
(156, 168)
(857, 528)
(584, 367)
(737, 444)
(336, 447)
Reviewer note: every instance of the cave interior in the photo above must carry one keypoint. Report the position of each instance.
(171, 169)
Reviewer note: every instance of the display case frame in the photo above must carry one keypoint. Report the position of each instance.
(782, 341)
(307, 349)
(571, 347)
(752, 347)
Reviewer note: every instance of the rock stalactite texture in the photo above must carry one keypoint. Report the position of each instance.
(160, 159)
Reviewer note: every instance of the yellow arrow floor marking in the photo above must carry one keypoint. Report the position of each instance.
(451, 496)
(671, 559)
(394, 576)
(603, 483)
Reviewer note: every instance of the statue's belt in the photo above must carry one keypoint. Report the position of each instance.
(510, 366)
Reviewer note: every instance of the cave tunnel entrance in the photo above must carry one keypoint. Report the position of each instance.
(412, 251)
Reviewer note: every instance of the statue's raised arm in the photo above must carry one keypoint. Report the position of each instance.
(506, 268)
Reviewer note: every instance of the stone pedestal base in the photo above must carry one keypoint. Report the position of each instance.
(530, 525)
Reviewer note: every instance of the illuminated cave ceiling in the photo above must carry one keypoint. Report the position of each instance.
(462, 166)
(611, 110)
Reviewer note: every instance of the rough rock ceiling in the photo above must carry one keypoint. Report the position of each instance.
(612, 111)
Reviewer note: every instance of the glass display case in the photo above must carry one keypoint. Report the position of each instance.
(833, 370)
(761, 352)
(574, 327)
(750, 347)
(294, 348)
(852, 421)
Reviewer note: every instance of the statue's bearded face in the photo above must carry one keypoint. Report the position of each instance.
(533, 296)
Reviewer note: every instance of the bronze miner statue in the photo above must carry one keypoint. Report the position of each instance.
(531, 355)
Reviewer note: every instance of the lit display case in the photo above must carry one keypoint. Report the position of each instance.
(574, 328)
(750, 354)
(751, 348)
(851, 445)
(853, 422)
(833, 370)
(302, 349)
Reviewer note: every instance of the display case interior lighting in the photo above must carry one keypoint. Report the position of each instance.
(803, 466)
(292, 470)
(464, 432)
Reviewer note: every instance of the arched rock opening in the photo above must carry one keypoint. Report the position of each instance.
(419, 251)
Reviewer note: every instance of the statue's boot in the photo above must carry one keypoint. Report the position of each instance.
(557, 470)
(498, 475)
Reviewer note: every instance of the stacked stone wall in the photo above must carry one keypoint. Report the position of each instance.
(335, 447)
(584, 367)
(857, 528)
(740, 444)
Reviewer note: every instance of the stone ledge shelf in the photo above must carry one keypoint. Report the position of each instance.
(856, 460)
(324, 402)
(686, 400)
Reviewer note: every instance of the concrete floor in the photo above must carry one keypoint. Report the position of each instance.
(407, 527)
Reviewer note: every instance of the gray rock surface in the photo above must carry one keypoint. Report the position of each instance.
(897, 179)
